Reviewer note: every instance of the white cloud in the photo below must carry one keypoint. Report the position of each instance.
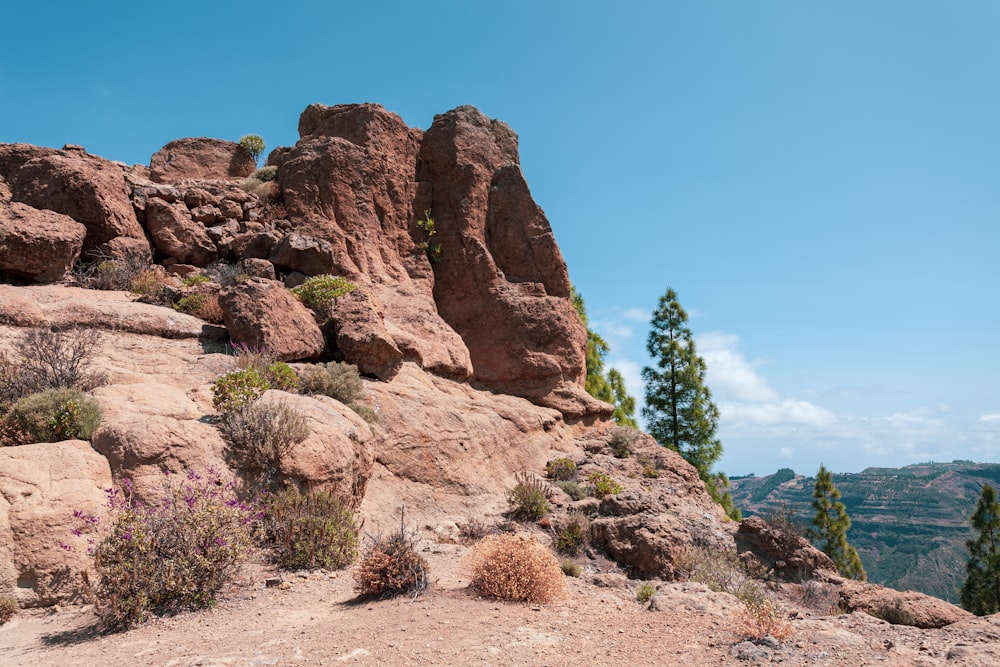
(786, 452)
(788, 412)
(730, 375)
(636, 315)
(611, 330)
(992, 417)
(631, 373)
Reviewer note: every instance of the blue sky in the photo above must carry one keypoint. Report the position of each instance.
(820, 182)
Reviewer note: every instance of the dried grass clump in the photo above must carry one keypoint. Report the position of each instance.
(528, 498)
(314, 529)
(8, 607)
(517, 568)
(760, 619)
(391, 566)
(261, 434)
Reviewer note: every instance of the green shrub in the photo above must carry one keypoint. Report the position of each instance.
(574, 490)
(334, 379)
(622, 441)
(725, 571)
(529, 498)
(266, 174)
(312, 530)
(365, 412)
(8, 607)
(391, 566)
(174, 556)
(573, 534)
(253, 144)
(649, 471)
(150, 284)
(233, 391)
(603, 485)
(513, 567)
(320, 293)
(191, 303)
(195, 279)
(53, 415)
(570, 567)
(561, 469)
(106, 273)
(262, 433)
(645, 592)
(759, 619)
(280, 375)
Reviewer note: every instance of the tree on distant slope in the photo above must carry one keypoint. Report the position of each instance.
(980, 593)
(830, 527)
(679, 410)
(609, 387)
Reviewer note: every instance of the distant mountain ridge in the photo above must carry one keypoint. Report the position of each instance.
(909, 524)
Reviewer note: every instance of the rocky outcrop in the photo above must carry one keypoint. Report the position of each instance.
(902, 608)
(176, 235)
(89, 189)
(41, 486)
(202, 159)
(782, 550)
(264, 315)
(40, 245)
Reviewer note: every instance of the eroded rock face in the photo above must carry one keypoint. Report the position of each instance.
(176, 235)
(41, 245)
(906, 608)
(89, 189)
(791, 557)
(40, 487)
(200, 158)
(501, 281)
(264, 315)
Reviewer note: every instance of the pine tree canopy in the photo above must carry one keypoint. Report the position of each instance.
(608, 387)
(980, 593)
(830, 527)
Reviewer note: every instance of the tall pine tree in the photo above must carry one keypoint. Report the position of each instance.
(830, 527)
(609, 387)
(679, 410)
(980, 593)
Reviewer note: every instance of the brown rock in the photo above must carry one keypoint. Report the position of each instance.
(200, 159)
(131, 251)
(41, 245)
(89, 189)
(13, 156)
(207, 215)
(309, 255)
(907, 608)
(197, 197)
(263, 314)
(509, 304)
(176, 235)
(339, 452)
(791, 556)
(231, 209)
(358, 327)
(41, 486)
(258, 268)
(257, 245)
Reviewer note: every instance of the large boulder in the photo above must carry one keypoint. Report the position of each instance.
(357, 329)
(200, 158)
(781, 549)
(901, 608)
(41, 245)
(87, 188)
(263, 314)
(41, 486)
(176, 235)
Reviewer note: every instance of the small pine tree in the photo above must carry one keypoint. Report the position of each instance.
(980, 593)
(609, 387)
(830, 527)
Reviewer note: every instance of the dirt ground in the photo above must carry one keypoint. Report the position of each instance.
(316, 619)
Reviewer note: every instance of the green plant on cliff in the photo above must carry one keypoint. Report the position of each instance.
(320, 293)
(830, 527)
(428, 245)
(980, 593)
(254, 145)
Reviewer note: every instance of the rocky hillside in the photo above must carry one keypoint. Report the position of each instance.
(909, 524)
(461, 324)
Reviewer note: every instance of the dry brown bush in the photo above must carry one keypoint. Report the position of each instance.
(391, 566)
(513, 567)
(758, 619)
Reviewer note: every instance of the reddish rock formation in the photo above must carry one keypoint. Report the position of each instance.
(903, 608)
(200, 158)
(791, 556)
(263, 314)
(40, 245)
(89, 189)
(176, 235)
